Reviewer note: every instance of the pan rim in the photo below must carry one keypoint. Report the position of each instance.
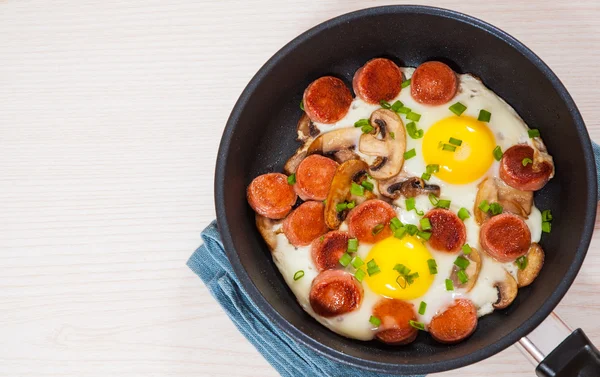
(377, 366)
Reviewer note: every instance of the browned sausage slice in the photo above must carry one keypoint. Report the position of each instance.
(379, 79)
(326, 251)
(271, 196)
(531, 177)
(394, 315)
(335, 292)
(369, 222)
(327, 100)
(314, 176)
(505, 237)
(448, 232)
(433, 83)
(455, 323)
(305, 223)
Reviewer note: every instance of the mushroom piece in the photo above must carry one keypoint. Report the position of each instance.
(293, 162)
(507, 291)
(266, 228)
(407, 187)
(472, 271)
(389, 148)
(494, 190)
(307, 132)
(339, 191)
(337, 144)
(541, 155)
(535, 261)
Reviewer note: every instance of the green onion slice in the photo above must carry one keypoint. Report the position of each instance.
(396, 106)
(360, 275)
(413, 116)
(400, 232)
(456, 142)
(497, 152)
(411, 229)
(405, 83)
(432, 168)
(448, 147)
(463, 214)
(413, 132)
(521, 262)
(462, 276)
(375, 321)
(458, 108)
(352, 245)
(462, 262)
(361, 123)
(298, 275)
(410, 154)
(345, 259)
(426, 176)
(466, 249)
(546, 215)
(526, 161)
(425, 224)
(484, 116)
(443, 203)
(377, 229)
(432, 266)
(424, 235)
(449, 285)
(546, 226)
(291, 179)
(433, 199)
(392, 135)
(367, 185)
(302, 105)
(484, 206)
(496, 208)
(385, 104)
(350, 205)
(404, 110)
(410, 205)
(422, 307)
(416, 325)
(357, 262)
(533, 133)
(395, 223)
(373, 271)
(357, 189)
(367, 129)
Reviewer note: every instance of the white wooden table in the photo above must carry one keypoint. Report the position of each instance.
(110, 117)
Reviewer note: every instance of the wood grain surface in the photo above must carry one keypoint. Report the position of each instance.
(110, 116)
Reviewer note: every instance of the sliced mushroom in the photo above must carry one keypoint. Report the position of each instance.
(291, 165)
(307, 132)
(339, 191)
(535, 261)
(331, 142)
(472, 271)
(306, 129)
(266, 227)
(389, 148)
(507, 291)
(407, 187)
(494, 190)
(541, 155)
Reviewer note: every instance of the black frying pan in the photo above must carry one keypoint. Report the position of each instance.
(260, 136)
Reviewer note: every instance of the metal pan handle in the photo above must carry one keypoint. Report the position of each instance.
(557, 351)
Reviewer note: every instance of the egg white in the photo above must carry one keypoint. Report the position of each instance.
(508, 129)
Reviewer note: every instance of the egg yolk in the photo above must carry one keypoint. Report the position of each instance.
(390, 252)
(470, 160)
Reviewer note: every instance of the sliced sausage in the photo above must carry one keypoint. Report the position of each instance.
(327, 100)
(448, 232)
(326, 251)
(271, 196)
(314, 176)
(369, 222)
(305, 223)
(394, 315)
(335, 292)
(433, 83)
(505, 237)
(455, 323)
(379, 79)
(531, 177)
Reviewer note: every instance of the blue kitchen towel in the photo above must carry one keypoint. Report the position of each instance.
(290, 358)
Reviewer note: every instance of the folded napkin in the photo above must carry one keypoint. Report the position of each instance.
(288, 357)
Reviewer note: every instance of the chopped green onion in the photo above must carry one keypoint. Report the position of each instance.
(413, 132)
(371, 263)
(345, 259)
(497, 152)
(375, 321)
(458, 108)
(496, 208)
(302, 105)
(432, 168)
(360, 275)
(291, 179)
(404, 110)
(466, 249)
(484, 116)
(448, 147)
(433, 199)
(484, 206)
(396, 106)
(361, 123)
(392, 135)
(368, 185)
(422, 307)
(462, 276)
(432, 266)
(395, 223)
(462, 262)
(413, 116)
(416, 325)
(400, 232)
(424, 235)
(521, 262)
(546, 215)
(352, 245)
(449, 285)
(357, 262)
(410, 205)
(377, 229)
(367, 129)
(533, 133)
(463, 214)
(341, 206)
(385, 104)
(402, 269)
(425, 224)
(373, 271)
(322, 238)
(351, 205)
(410, 154)
(546, 226)
(456, 142)
(527, 161)
(405, 83)
(298, 275)
(357, 189)
(426, 176)
(411, 229)
(443, 203)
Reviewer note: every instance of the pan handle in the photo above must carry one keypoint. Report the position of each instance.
(557, 351)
